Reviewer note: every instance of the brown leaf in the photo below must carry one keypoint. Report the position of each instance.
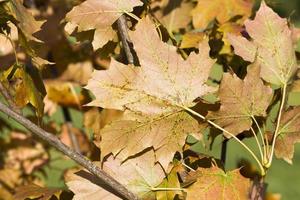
(272, 46)
(227, 29)
(289, 135)
(33, 191)
(25, 87)
(5, 45)
(78, 72)
(171, 181)
(222, 10)
(23, 19)
(63, 93)
(139, 175)
(214, 184)
(80, 137)
(154, 93)
(173, 14)
(95, 120)
(27, 156)
(191, 40)
(241, 100)
(99, 15)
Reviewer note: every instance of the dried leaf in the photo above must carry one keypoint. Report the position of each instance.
(139, 175)
(173, 14)
(79, 72)
(227, 29)
(33, 191)
(155, 93)
(222, 10)
(25, 88)
(214, 184)
(5, 45)
(99, 15)
(171, 181)
(240, 100)
(23, 19)
(272, 44)
(63, 93)
(289, 135)
(191, 40)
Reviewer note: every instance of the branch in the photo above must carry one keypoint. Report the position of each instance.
(122, 29)
(81, 160)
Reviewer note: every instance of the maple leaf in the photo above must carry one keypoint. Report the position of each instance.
(214, 184)
(155, 93)
(272, 46)
(99, 15)
(222, 10)
(289, 135)
(241, 100)
(140, 175)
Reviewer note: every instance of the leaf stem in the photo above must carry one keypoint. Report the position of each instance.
(185, 165)
(262, 156)
(167, 189)
(262, 139)
(277, 126)
(232, 135)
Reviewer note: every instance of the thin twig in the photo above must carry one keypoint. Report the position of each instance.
(123, 32)
(81, 160)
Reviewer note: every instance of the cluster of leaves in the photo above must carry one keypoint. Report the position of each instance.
(145, 117)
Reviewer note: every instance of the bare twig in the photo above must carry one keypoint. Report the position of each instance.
(258, 189)
(81, 160)
(123, 32)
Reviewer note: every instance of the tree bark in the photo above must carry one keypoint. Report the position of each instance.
(258, 189)
(123, 32)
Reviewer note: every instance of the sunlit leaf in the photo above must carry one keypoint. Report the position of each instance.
(289, 135)
(240, 100)
(272, 46)
(214, 184)
(155, 93)
(221, 10)
(99, 15)
(140, 175)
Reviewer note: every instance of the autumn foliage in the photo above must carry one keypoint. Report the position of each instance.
(134, 86)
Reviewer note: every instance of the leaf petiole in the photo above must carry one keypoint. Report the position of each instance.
(270, 156)
(167, 189)
(263, 173)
